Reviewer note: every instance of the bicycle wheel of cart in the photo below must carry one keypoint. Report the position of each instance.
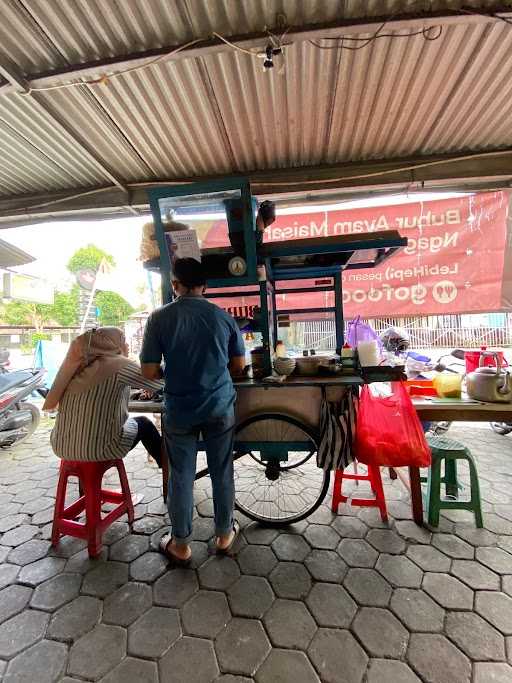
(277, 480)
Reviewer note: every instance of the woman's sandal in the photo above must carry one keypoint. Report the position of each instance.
(229, 548)
(163, 546)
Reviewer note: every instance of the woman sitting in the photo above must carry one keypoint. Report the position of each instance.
(92, 390)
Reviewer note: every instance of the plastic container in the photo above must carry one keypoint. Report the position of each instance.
(421, 387)
(448, 384)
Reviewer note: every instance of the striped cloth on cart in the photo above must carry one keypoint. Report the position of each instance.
(337, 432)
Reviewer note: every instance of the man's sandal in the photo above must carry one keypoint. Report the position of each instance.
(229, 548)
(164, 548)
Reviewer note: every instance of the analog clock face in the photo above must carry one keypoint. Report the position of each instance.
(237, 266)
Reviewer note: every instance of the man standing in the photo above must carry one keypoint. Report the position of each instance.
(202, 348)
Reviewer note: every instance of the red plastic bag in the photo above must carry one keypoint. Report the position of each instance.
(388, 431)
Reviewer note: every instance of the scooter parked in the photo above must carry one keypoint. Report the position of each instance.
(19, 418)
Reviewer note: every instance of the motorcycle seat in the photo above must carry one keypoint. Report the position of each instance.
(13, 379)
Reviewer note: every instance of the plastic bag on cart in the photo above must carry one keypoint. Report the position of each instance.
(358, 332)
(388, 431)
(337, 430)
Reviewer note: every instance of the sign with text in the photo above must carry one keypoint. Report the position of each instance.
(457, 258)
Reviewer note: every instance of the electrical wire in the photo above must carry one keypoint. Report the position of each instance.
(105, 78)
(483, 13)
(368, 41)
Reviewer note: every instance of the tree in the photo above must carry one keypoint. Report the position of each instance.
(27, 313)
(65, 308)
(113, 309)
(89, 258)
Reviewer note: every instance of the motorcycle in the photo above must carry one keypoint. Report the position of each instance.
(19, 418)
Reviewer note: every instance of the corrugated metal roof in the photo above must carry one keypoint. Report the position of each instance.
(221, 113)
(11, 256)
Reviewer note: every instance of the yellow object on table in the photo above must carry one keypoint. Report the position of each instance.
(448, 384)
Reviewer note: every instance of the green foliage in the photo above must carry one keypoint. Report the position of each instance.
(27, 313)
(89, 257)
(65, 308)
(113, 308)
(38, 336)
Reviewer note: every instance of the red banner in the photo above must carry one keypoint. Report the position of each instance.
(455, 262)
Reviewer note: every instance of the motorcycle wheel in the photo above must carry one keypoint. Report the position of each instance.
(34, 424)
(502, 428)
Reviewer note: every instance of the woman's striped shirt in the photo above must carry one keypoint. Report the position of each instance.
(94, 425)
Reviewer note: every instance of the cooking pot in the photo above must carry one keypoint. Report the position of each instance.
(489, 384)
(308, 365)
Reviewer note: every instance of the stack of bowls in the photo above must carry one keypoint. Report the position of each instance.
(284, 366)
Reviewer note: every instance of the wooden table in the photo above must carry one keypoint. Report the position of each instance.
(449, 410)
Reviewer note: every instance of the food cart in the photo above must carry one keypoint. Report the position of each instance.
(277, 480)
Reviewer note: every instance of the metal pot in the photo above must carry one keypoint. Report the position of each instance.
(308, 365)
(489, 384)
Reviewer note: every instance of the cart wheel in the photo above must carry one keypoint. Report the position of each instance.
(277, 480)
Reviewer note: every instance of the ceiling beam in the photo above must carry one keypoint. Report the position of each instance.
(256, 40)
(483, 171)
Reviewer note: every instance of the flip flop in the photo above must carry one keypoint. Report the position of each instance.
(164, 549)
(227, 549)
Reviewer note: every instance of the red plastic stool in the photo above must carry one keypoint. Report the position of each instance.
(375, 480)
(90, 476)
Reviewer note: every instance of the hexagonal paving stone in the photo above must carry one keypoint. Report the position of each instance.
(242, 646)
(289, 624)
(453, 546)
(257, 560)
(107, 644)
(389, 671)
(129, 548)
(148, 567)
(40, 571)
(448, 591)
(115, 532)
(322, 537)
(68, 546)
(260, 535)
(8, 574)
(44, 662)
(29, 552)
(371, 516)
(399, 571)
(127, 604)
(492, 673)
(496, 559)
(412, 532)
(331, 605)
(496, 608)
(250, 596)
(22, 631)
(191, 660)
(75, 619)
(285, 665)
(19, 535)
(154, 632)
(417, 610)
(13, 600)
(437, 660)
(219, 573)
(428, 558)
(349, 527)
(326, 565)
(386, 541)
(204, 529)
(54, 593)
(333, 651)
(104, 578)
(230, 678)
(291, 547)
(175, 588)
(474, 536)
(357, 553)
(81, 563)
(205, 614)
(475, 575)
(147, 525)
(475, 637)
(132, 669)
(368, 587)
(11, 522)
(290, 580)
(380, 632)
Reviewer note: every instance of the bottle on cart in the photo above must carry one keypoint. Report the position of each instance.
(280, 350)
